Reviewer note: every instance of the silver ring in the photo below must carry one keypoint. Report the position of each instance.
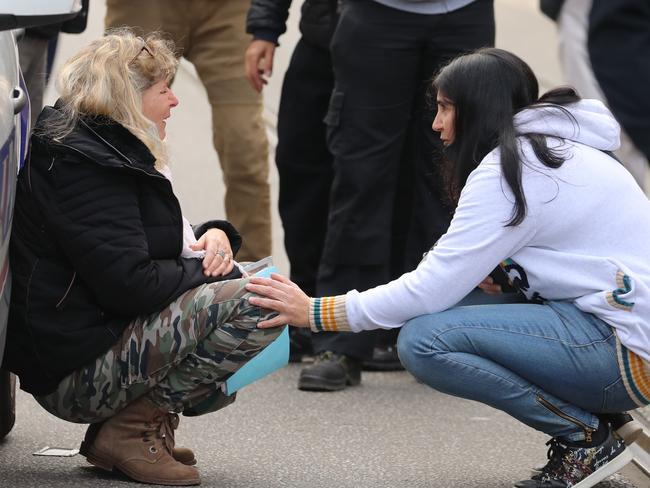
(221, 253)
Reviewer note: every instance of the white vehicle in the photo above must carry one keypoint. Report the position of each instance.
(14, 121)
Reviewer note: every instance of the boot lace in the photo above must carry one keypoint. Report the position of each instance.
(170, 424)
(159, 429)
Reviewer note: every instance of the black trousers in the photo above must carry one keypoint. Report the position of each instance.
(303, 160)
(385, 205)
(618, 37)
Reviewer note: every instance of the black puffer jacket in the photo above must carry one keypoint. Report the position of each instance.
(267, 20)
(551, 8)
(97, 237)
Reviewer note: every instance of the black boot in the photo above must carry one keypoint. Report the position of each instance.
(330, 372)
(384, 358)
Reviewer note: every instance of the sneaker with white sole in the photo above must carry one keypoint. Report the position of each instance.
(623, 424)
(580, 467)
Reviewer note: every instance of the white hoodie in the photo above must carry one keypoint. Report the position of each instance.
(585, 238)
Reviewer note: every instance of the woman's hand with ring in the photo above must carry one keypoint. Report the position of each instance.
(218, 253)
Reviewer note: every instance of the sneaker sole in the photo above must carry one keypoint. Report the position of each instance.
(609, 469)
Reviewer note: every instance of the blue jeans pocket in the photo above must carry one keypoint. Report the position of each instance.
(616, 398)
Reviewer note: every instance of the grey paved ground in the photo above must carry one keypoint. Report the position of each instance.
(389, 432)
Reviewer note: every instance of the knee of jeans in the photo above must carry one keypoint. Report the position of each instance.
(406, 343)
(415, 348)
(410, 347)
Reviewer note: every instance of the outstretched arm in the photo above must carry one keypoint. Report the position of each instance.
(296, 308)
(476, 242)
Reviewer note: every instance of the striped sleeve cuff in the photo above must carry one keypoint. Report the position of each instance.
(635, 373)
(328, 314)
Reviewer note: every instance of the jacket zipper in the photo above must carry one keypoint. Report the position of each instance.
(548, 405)
(130, 166)
(74, 276)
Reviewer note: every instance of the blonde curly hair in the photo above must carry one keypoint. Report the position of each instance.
(108, 77)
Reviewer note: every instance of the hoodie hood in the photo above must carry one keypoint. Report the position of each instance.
(592, 123)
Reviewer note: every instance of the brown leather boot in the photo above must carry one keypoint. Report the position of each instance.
(134, 441)
(183, 455)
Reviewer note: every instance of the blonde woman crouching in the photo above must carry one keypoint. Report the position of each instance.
(121, 314)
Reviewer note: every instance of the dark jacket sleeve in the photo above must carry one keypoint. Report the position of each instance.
(233, 236)
(104, 239)
(267, 19)
(551, 8)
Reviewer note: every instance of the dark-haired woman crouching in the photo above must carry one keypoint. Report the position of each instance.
(538, 195)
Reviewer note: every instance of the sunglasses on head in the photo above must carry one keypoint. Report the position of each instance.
(145, 48)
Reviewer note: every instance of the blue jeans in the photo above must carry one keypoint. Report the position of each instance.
(550, 366)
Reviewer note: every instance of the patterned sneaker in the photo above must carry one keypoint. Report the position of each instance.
(624, 426)
(579, 467)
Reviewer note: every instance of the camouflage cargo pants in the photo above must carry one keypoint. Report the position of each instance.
(178, 357)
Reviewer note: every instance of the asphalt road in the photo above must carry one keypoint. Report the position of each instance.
(391, 431)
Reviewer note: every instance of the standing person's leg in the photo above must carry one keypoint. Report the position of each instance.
(551, 366)
(447, 36)
(421, 215)
(303, 160)
(573, 34)
(305, 168)
(171, 361)
(618, 43)
(375, 66)
(216, 47)
(144, 16)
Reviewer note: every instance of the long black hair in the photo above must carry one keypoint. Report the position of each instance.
(487, 88)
